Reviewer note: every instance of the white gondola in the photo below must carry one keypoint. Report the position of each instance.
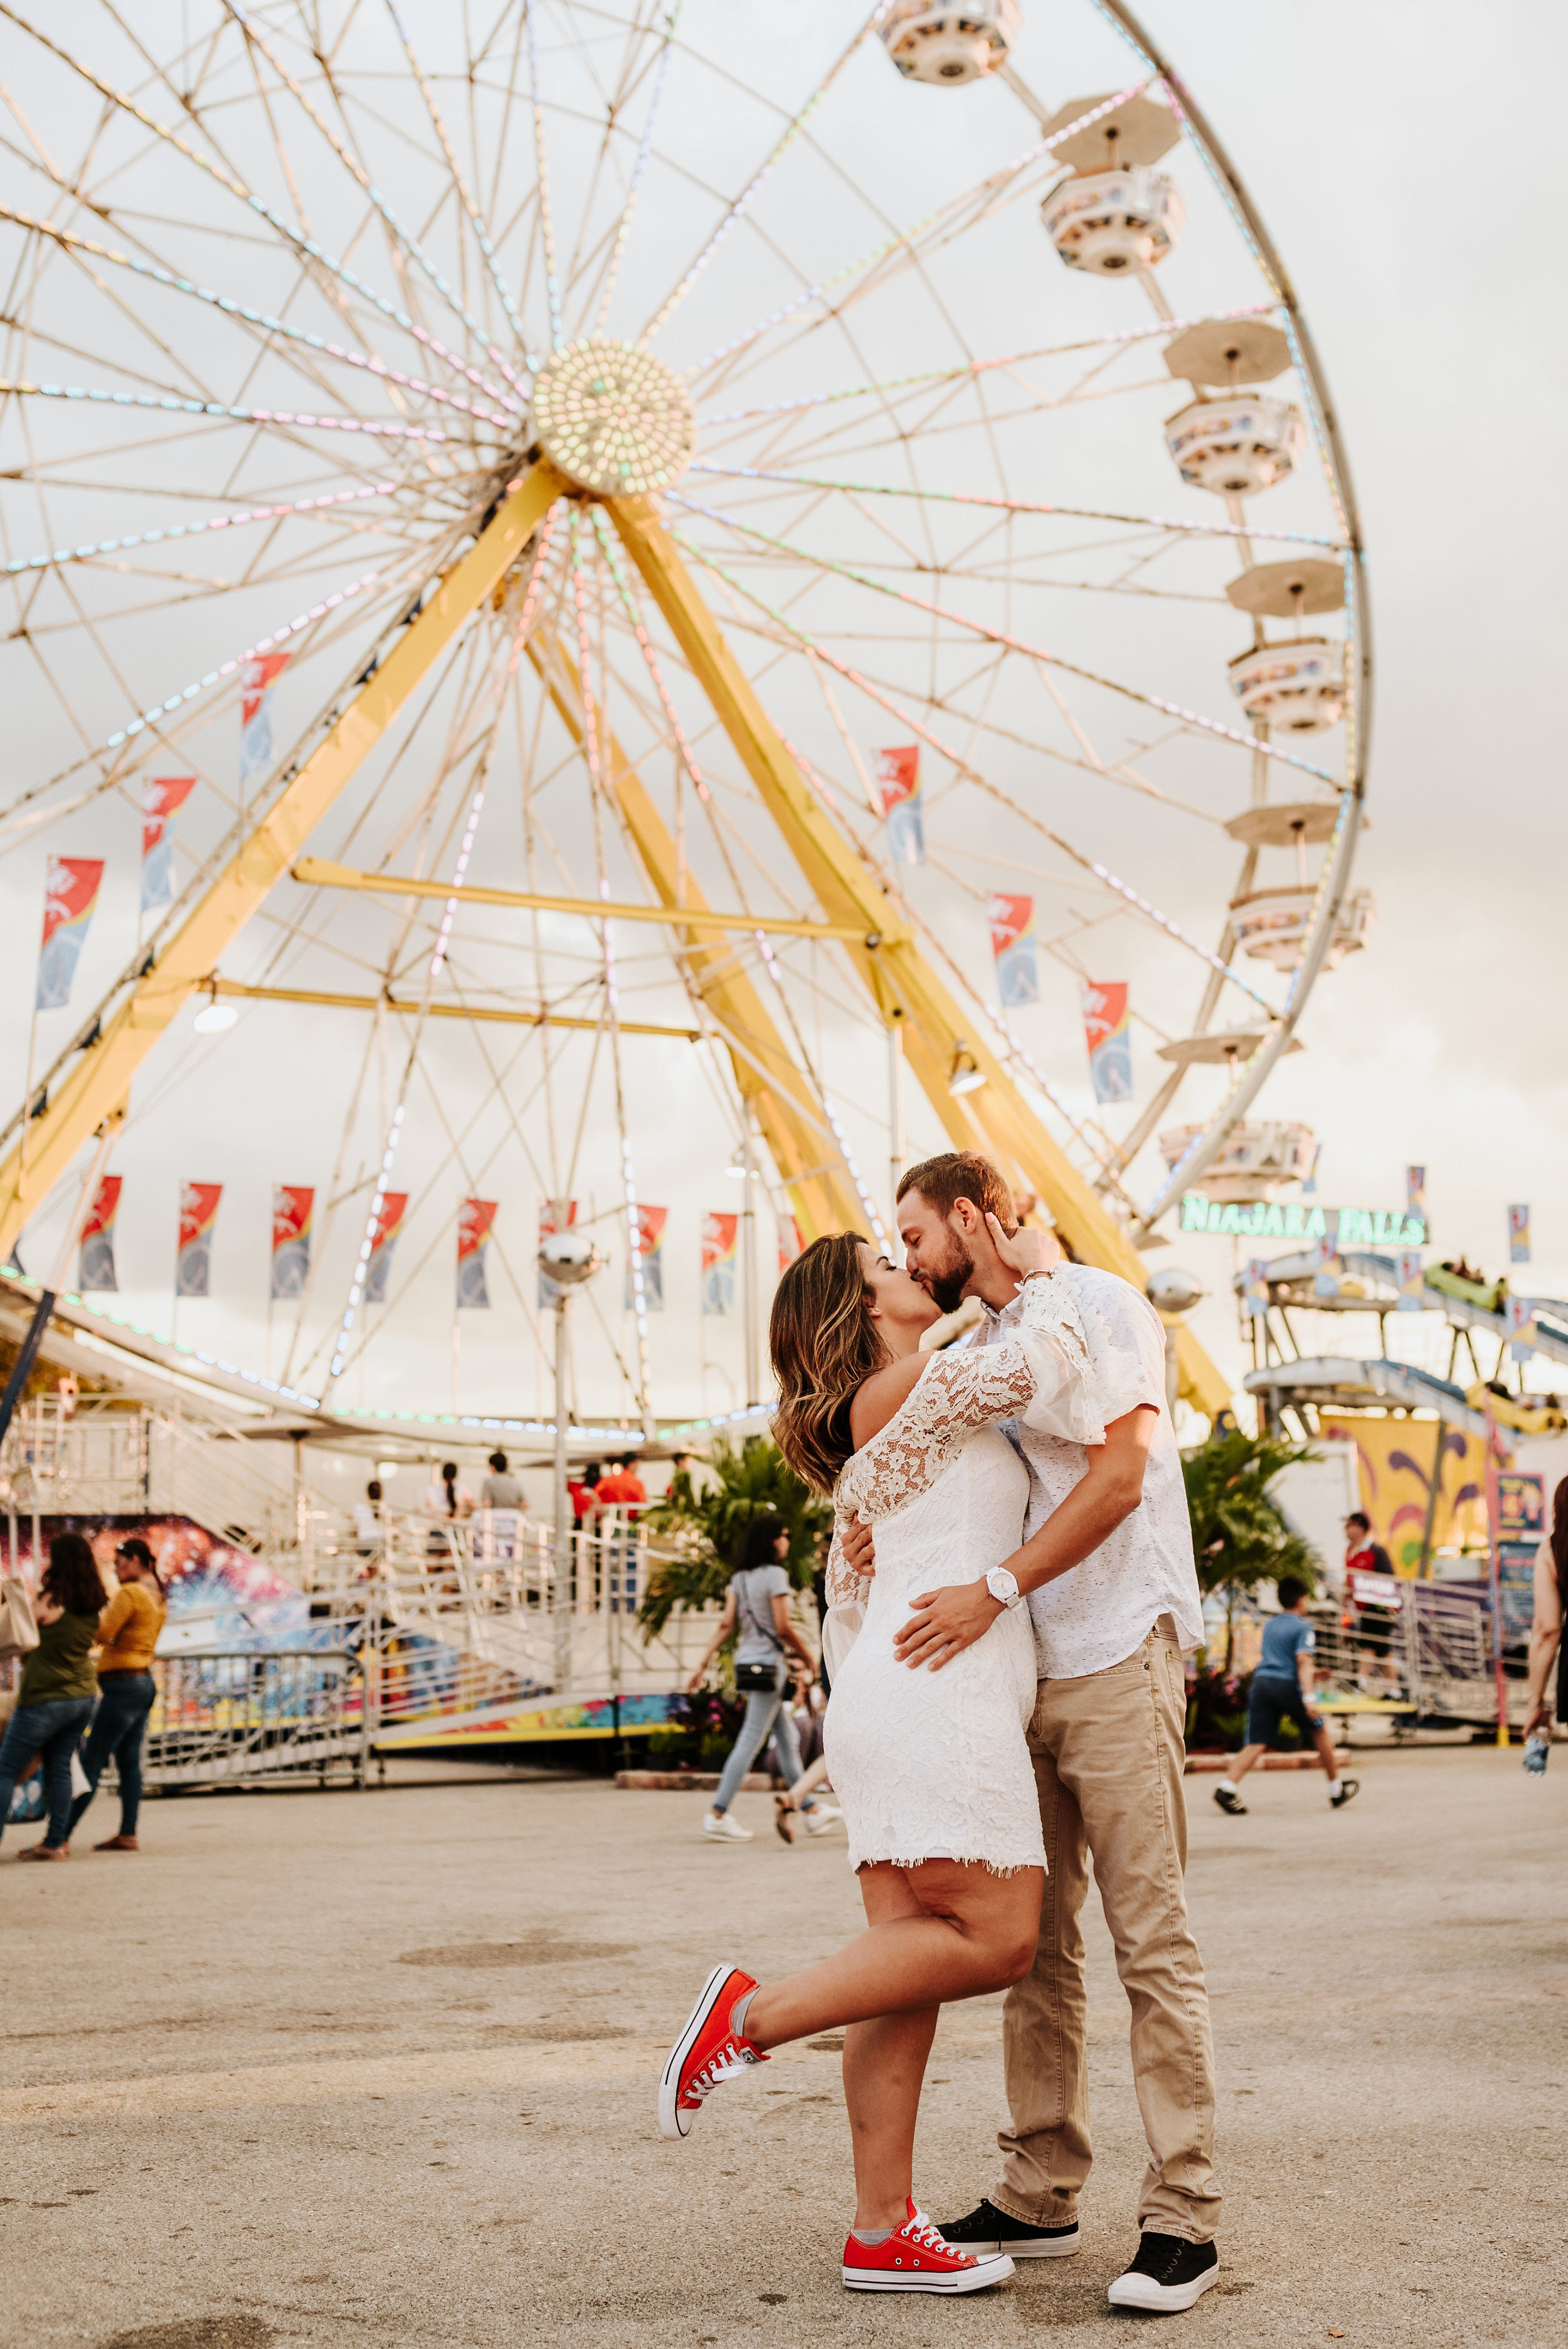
(1235, 447)
(948, 45)
(1257, 1158)
(1295, 688)
(1271, 923)
(1110, 222)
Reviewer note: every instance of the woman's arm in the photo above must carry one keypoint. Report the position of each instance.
(788, 1634)
(726, 1625)
(1545, 1639)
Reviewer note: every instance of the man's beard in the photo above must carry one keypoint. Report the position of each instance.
(944, 1285)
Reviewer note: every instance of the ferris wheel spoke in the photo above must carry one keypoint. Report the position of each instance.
(313, 355)
(312, 255)
(1031, 652)
(472, 211)
(634, 187)
(1024, 506)
(1102, 872)
(908, 246)
(737, 210)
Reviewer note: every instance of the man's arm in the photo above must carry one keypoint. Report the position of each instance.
(947, 1622)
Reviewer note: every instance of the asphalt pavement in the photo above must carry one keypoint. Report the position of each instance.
(379, 2069)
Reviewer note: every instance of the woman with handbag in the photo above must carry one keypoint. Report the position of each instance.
(55, 1702)
(757, 1612)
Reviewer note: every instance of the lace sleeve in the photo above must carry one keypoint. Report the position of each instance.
(846, 1592)
(1043, 1374)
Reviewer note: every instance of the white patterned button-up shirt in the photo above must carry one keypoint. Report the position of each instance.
(1099, 1612)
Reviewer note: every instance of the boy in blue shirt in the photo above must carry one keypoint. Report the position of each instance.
(1281, 1688)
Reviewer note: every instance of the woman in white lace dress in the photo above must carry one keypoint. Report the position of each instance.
(931, 1766)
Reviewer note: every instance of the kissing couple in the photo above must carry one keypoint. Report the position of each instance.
(1011, 1585)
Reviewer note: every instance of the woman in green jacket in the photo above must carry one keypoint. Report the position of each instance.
(55, 1702)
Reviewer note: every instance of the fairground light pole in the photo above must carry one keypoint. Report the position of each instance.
(567, 1258)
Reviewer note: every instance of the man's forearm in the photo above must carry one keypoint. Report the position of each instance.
(1090, 1515)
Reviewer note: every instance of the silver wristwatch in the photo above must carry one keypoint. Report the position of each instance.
(1004, 1587)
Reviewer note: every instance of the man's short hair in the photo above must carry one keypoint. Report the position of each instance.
(1292, 1591)
(1360, 1518)
(963, 1174)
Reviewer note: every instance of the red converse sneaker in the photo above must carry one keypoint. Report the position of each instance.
(707, 2053)
(915, 2259)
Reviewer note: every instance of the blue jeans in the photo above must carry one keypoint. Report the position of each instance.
(50, 1729)
(124, 1704)
(765, 1711)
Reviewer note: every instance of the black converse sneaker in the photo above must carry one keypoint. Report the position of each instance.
(1169, 2273)
(1228, 1800)
(1346, 1791)
(990, 2230)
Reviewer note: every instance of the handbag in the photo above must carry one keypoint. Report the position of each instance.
(756, 1680)
(18, 1625)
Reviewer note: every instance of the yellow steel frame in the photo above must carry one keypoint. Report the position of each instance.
(99, 1079)
(410, 1011)
(906, 990)
(790, 1119)
(992, 1118)
(319, 872)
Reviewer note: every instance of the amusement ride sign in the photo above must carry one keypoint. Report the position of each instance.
(1391, 1228)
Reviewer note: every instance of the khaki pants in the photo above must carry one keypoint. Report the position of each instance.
(1108, 1752)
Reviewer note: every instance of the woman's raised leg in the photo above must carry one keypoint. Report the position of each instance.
(967, 1933)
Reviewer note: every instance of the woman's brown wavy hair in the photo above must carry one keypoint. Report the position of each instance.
(823, 1342)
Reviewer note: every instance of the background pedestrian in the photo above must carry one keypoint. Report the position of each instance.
(127, 1630)
(1282, 1691)
(757, 1612)
(54, 1701)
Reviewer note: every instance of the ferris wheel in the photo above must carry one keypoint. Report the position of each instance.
(671, 609)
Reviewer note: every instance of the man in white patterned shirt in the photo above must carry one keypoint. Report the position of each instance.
(1113, 1596)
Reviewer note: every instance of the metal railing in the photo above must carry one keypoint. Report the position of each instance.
(1439, 1652)
(238, 1717)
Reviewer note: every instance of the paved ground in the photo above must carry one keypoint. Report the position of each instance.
(379, 2069)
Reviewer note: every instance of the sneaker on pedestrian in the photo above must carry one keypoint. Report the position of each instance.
(1229, 1799)
(1170, 2273)
(45, 1851)
(987, 2229)
(1345, 1791)
(821, 1816)
(914, 2258)
(708, 2053)
(723, 1829)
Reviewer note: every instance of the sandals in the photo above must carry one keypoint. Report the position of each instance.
(784, 1817)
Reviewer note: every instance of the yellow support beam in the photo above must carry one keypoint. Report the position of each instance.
(319, 872)
(906, 989)
(789, 1117)
(98, 1080)
(328, 1002)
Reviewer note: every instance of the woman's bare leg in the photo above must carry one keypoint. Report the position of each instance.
(968, 1932)
(807, 1782)
(884, 2070)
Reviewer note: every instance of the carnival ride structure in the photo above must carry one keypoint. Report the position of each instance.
(615, 451)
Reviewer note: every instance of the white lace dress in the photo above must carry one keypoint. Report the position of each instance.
(933, 1764)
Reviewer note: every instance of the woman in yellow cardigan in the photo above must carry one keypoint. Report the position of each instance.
(129, 1628)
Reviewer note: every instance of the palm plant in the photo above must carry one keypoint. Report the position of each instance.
(705, 1528)
(1239, 1535)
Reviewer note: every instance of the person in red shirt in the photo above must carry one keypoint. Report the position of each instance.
(1374, 1625)
(624, 1489)
(584, 1490)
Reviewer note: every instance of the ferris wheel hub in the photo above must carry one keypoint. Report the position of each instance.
(612, 418)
